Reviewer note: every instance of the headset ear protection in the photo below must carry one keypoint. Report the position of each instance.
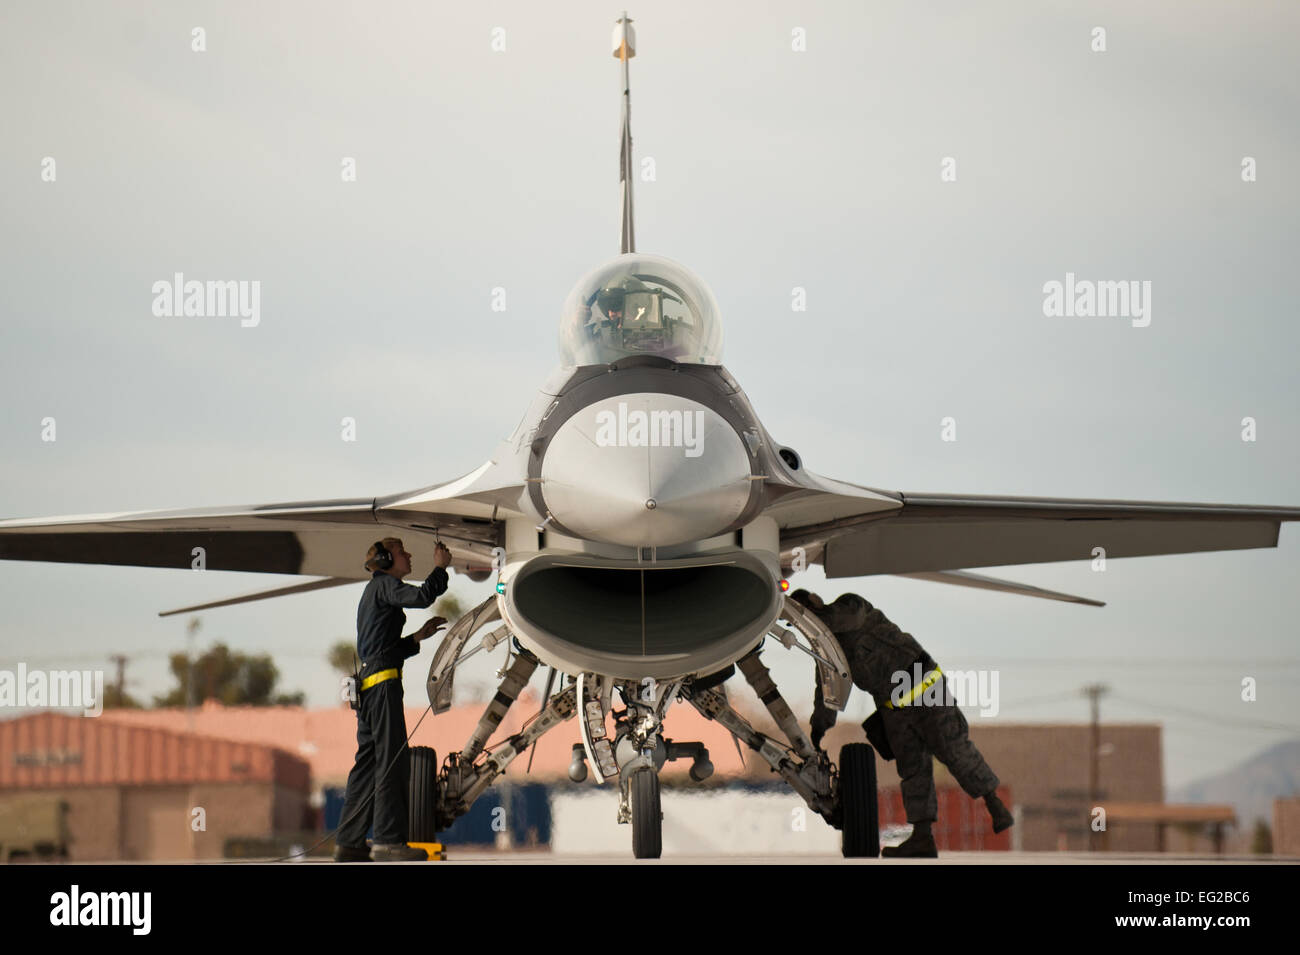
(383, 558)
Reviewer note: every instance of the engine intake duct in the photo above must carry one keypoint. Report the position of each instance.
(665, 619)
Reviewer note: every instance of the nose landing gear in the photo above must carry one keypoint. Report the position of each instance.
(647, 817)
(635, 752)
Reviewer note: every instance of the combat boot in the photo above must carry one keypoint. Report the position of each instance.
(398, 853)
(1002, 818)
(919, 845)
(351, 853)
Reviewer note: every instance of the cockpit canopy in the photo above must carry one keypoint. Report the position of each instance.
(640, 305)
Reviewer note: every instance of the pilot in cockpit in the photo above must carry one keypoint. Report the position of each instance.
(611, 301)
(640, 305)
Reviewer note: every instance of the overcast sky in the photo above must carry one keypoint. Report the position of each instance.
(774, 169)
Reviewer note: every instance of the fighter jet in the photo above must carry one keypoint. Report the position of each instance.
(641, 524)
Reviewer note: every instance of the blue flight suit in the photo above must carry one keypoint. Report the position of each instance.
(381, 722)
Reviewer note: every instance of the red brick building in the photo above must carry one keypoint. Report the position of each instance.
(146, 793)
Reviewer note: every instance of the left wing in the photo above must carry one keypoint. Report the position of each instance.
(855, 531)
(316, 538)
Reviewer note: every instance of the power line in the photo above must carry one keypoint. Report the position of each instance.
(1217, 720)
(1035, 700)
(1126, 662)
(1223, 722)
(291, 653)
(90, 655)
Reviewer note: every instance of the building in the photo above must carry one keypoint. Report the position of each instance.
(326, 738)
(1286, 826)
(139, 792)
(1046, 767)
(1043, 767)
(301, 757)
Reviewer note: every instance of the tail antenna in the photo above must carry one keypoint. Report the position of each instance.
(625, 49)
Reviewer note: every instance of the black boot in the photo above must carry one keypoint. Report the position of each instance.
(351, 853)
(1002, 818)
(398, 853)
(919, 845)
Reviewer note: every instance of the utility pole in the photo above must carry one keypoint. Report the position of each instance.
(192, 630)
(1094, 692)
(120, 660)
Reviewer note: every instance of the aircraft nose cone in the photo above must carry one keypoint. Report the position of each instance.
(646, 470)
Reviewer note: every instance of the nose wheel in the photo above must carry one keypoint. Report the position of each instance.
(634, 752)
(647, 817)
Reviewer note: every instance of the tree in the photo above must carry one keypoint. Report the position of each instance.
(115, 695)
(117, 698)
(343, 657)
(1261, 842)
(226, 676)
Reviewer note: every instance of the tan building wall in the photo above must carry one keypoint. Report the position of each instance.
(247, 811)
(1286, 826)
(1047, 768)
(237, 811)
(131, 791)
(157, 822)
(93, 818)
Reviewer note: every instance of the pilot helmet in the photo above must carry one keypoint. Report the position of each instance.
(613, 296)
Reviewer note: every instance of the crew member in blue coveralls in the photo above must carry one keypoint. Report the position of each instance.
(383, 762)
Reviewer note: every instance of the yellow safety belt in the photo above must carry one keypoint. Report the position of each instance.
(931, 678)
(379, 677)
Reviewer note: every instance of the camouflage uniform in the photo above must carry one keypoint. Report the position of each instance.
(876, 650)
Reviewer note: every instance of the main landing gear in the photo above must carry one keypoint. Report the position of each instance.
(627, 743)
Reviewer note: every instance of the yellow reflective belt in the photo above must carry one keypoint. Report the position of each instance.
(379, 677)
(931, 678)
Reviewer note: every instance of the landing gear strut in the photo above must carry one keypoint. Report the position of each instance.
(635, 751)
(845, 796)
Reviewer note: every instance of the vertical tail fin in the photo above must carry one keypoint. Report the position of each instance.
(625, 49)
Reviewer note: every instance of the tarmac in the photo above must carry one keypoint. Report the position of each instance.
(535, 857)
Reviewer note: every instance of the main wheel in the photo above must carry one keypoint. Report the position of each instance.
(647, 819)
(423, 808)
(860, 836)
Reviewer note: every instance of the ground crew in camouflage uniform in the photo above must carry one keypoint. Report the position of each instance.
(918, 727)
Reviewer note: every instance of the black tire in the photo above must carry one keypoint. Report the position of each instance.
(647, 818)
(860, 836)
(423, 809)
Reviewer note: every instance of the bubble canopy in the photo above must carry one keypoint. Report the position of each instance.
(640, 305)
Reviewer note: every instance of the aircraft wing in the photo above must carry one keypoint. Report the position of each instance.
(906, 533)
(318, 538)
